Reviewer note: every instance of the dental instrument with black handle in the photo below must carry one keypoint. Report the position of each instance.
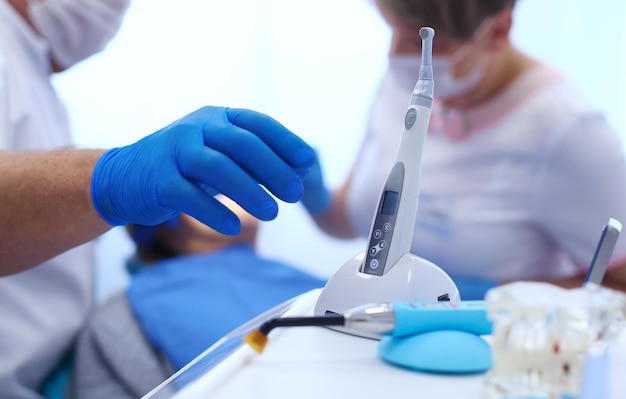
(397, 319)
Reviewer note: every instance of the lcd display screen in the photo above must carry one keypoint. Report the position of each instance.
(390, 202)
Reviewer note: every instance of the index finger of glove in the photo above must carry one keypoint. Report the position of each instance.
(188, 198)
(214, 170)
(260, 163)
(291, 148)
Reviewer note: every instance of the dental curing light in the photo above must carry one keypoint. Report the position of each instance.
(387, 271)
(390, 319)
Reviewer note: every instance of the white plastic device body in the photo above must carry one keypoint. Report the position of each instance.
(387, 271)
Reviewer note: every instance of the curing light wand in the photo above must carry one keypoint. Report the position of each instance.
(397, 319)
(392, 228)
(387, 271)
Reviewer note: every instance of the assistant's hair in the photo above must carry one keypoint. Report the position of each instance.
(453, 19)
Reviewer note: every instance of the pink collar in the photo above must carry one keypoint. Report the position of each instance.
(458, 125)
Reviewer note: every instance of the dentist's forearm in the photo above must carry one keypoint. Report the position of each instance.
(45, 205)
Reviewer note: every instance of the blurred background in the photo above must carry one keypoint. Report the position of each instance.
(314, 66)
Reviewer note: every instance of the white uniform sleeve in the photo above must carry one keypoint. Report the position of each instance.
(581, 185)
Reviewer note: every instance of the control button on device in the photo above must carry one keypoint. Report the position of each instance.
(409, 118)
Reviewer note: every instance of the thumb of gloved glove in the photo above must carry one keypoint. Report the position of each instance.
(317, 198)
(180, 167)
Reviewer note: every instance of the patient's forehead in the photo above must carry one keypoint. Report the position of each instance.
(244, 216)
(248, 221)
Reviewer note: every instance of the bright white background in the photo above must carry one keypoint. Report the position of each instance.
(313, 66)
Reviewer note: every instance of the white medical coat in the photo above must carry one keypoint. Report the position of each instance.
(40, 309)
(518, 188)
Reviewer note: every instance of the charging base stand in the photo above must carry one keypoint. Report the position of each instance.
(411, 279)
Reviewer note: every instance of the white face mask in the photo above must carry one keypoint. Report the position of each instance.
(76, 29)
(405, 70)
(446, 85)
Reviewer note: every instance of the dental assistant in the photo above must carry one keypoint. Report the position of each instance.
(519, 172)
(41, 309)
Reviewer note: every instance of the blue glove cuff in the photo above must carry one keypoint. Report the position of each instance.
(317, 198)
(114, 191)
(100, 190)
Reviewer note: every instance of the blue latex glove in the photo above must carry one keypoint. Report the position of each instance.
(180, 167)
(473, 288)
(317, 198)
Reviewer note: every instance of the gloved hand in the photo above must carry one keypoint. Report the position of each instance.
(180, 167)
(317, 198)
(473, 288)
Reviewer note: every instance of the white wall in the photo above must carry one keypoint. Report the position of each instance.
(313, 66)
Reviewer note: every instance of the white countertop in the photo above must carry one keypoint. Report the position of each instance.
(316, 362)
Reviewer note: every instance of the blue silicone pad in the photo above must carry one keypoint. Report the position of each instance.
(444, 351)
